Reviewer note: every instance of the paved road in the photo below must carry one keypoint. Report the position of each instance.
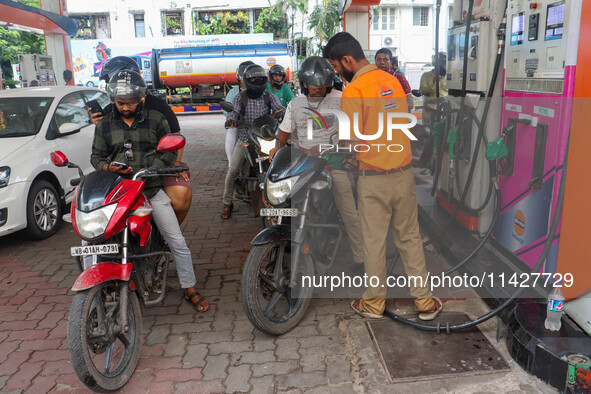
(217, 351)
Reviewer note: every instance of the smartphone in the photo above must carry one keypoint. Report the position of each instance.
(123, 165)
(95, 107)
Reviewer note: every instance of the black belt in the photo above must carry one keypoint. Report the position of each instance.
(372, 172)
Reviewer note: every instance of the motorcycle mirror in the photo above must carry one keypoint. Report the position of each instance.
(227, 106)
(171, 143)
(416, 93)
(59, 159)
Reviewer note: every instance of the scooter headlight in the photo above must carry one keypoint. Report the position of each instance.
(93, 224)
(277, 192)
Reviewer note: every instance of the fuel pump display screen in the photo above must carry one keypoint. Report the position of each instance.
(555, 21)
(517, 26)
(451, 48)
(462, 42)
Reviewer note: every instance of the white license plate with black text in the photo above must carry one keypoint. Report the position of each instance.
(279, 212)
(94, 249)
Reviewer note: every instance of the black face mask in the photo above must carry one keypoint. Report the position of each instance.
(255, 91)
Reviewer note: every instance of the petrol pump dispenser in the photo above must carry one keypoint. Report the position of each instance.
(540, 64)
(36, 67)
(462, 137)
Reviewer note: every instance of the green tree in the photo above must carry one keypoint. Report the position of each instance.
(16, 42)
(325, 20)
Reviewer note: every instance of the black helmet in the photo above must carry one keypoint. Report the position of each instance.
(277, 69)
(316, 71)
(258, 85)
(126, 85)
(116, 64)
(241, 68)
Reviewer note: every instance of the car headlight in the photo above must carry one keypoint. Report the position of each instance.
(277, 192)
(4, 176)
(92, 224)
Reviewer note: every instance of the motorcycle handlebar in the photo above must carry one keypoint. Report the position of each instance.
(160, 171)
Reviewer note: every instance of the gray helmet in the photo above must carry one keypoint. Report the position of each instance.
(241, 67)
(316, 71)
(126, 84)
(255, 81)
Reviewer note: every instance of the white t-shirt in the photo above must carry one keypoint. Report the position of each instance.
(300, 110)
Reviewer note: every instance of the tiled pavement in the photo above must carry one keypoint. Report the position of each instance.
(218, 351)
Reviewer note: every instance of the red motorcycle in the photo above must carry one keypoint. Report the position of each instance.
(129, 264)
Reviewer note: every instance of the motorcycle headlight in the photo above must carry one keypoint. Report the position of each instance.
(277, 192)
(4, 176)
(92, 224)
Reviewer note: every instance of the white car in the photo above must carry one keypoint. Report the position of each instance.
(89, 81)
(33, 123)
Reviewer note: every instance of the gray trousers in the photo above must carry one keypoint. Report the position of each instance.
(168, 225)
(235, 164)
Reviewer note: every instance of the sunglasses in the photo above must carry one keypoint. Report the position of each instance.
(128, 152)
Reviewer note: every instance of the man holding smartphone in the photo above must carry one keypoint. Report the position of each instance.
(178, 189)
(126, 136)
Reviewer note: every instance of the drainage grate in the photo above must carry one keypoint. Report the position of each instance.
(409, 354)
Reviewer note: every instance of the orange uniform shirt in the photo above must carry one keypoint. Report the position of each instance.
(372, 94)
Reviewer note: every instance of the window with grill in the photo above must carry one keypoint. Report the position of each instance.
(94, 26)
(173, 23)
(420, 16)
(383, 18)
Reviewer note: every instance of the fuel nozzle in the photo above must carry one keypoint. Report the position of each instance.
(437, 134)
(497, 149)
(452, 138)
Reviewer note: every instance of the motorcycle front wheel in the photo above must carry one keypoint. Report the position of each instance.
(270, 303)
(104, 354)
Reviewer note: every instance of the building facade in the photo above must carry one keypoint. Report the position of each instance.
(108, 19)
(407, 28)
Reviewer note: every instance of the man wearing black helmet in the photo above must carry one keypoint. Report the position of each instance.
(248, 105)
(232, 133)
(178, 189)
(316, 77)
(277, 84)
(126, 135)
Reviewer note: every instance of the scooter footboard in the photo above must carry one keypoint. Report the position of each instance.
(102, 272)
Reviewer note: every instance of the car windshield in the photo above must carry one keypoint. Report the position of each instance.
(23, 116)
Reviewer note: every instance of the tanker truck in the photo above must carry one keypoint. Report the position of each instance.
(210, 71)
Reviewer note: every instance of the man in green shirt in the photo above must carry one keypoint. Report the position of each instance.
(122, 140)
(277, 85)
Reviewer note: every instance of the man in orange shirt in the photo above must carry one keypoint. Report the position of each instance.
(386, 188)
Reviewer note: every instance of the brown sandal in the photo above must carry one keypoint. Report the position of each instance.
(227, 211)
(197, 303)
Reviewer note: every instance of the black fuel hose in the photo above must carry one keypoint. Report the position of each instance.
(509, 301)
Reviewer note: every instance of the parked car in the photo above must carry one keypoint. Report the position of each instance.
(89, 81)
(33, 123)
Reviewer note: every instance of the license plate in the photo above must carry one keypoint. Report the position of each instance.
(279, 212)
(94, 249)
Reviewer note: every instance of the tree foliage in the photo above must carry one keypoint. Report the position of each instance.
(325, 20)
(16, 42)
